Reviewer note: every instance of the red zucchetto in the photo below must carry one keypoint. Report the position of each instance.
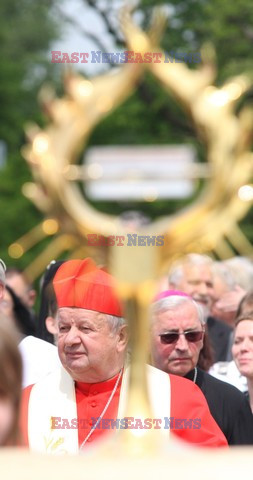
(80, 283)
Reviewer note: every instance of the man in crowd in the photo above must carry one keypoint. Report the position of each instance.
(227, 294)
(177, 329)
(193, 275)
(67, 410)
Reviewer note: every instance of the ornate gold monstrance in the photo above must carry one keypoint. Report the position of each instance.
(52, 154)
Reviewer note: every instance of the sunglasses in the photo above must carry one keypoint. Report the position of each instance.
(193, 337)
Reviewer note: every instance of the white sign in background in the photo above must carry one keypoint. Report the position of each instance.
(142, 172)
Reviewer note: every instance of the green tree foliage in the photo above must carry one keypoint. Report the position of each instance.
(27, 27)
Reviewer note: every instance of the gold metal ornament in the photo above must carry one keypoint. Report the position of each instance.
(52, 153)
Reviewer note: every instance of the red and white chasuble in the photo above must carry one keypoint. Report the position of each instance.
(57, 414)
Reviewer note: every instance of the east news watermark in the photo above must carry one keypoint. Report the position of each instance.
(129, 240)
(128, 56)
(97, 423)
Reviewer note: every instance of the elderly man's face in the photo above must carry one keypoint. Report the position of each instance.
(182, 355)
(197, 282)
(87, 347)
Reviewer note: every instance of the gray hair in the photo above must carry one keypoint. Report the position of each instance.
(242, 270)
(176, 270)
(114, 322)
(2, 271)
(174, 301)
(222, 271)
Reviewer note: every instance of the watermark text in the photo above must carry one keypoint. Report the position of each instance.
(130, 240)
(125, 423)
(57, 56)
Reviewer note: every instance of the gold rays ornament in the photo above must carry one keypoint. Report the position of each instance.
(52, 155)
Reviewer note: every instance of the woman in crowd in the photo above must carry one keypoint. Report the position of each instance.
(243, 349)
(17, 313)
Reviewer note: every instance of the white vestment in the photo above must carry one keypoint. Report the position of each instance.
(39, 358)
(54, 396)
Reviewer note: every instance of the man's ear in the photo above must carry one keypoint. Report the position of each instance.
(123, 336)
(51, 325)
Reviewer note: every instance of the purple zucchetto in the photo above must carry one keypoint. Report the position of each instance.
(170, 293)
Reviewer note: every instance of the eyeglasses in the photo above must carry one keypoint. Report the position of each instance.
(192, 336)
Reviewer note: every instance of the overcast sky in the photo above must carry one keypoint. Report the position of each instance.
(74, 41)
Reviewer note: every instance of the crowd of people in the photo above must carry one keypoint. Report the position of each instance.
(64, 369)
